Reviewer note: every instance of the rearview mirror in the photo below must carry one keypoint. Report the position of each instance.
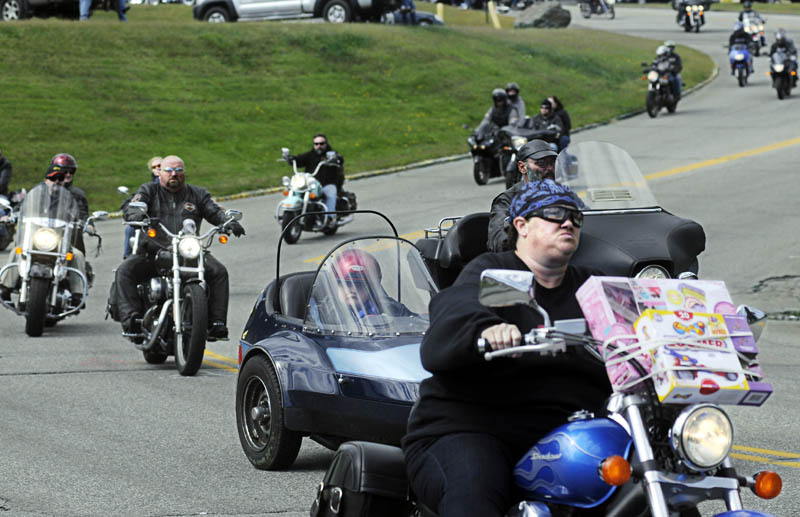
(100, 215)
(138, 204)
(756, 318)
(505, 287)
(236, 214)
(122, 189)
(285, 152)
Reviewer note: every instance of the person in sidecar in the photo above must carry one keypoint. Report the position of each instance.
(170, 201)
(331, 177)
(354, 293)
(536, 160)
(55, 179)
(475, 419)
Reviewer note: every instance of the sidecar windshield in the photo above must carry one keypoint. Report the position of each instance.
(371, 287)
(49, 205)
(604, 176)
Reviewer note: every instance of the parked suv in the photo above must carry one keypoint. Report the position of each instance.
(14, 10)
(335, 11)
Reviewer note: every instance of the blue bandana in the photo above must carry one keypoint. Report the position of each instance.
(536, 195)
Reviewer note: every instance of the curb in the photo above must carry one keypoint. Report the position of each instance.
(435, 161)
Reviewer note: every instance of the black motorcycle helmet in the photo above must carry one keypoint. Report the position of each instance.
(747, 5)
(512, 87)
(499, 95)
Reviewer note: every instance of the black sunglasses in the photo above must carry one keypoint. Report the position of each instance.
(319, 143)
(559, 214)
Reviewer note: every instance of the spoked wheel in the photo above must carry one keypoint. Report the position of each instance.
(652, 104)
(266, 441)
(480, 171)
(12, 10)
(292, 235)
(194, 320)
(36, 306)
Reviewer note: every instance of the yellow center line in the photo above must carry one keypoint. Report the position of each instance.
(782, 454)
(723, 159)
(212, 355)
(220, 366)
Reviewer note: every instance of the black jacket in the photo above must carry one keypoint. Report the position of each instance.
(328, 174)
(539, 123)
(787, 45)
(5, 175)
(675, 63)
(80, 198)
(739, 37)
(171, 208)
(497, 236)
(516, 400)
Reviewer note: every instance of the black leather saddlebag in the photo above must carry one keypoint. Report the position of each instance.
(112, 306)
(345, 198)
(364, 479)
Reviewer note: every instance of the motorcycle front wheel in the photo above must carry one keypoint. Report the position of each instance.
(36, 306)
(194, 323)
(741, 76)
(780, 86)
(266, 441)
(480, 171)
(651, 103)
(292, 235)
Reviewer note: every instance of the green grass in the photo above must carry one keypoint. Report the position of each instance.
(762, 8)
(227, 97)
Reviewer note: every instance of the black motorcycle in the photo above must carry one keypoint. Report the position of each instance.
(491, 151)
(659, 90)
(691, 15)
(782, 73)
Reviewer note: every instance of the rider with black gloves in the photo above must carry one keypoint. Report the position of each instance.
(170, 202)
(516, 102)
(785, 44)
(740, 37)
(475, 418)
(331, 177)
(5, 174)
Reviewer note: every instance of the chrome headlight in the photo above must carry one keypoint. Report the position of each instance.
(778, 68)
(189, 247)
(518, 141)
(298, 182)
(285, 181)
(45, 239)
(653, 272)
(739, 57)
(652, 76)
(702, 435)
(761, 27)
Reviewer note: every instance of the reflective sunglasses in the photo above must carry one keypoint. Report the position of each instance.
(171, 170)
(559, 214)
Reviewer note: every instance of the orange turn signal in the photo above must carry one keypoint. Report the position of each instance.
(794, 73)
(285, 192)
(644, 78)
(615, 470)
(768, 484)
(151, 232)
(18, 251)
(312, 195)
(223, 239)
(69, 256)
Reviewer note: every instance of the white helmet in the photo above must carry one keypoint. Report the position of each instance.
(662, 50)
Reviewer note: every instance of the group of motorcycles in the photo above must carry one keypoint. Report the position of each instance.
(691, 14)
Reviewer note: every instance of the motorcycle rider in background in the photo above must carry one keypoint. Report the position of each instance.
(55, 179)
(663, 54)
(500, 114)
(740, 37)
(748, 10)
(154, 168)
(787, 45)
(474, 419)
(170, 201)
(675, 68)
(517, 104)
(547, 118)
(331, 177)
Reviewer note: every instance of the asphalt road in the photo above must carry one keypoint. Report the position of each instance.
(88, 428)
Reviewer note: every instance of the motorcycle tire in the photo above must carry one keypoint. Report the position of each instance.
(697, 28)
(194, 323)
(780, 86)
(672, 107)
(741, 76)
(292, 235)
(265, 440)
(36, 306)
(154, 357)
(651, 104)
(481, 172)
(611, 13)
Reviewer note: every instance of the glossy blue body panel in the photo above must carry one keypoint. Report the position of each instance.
(563, 466)
(744, 513)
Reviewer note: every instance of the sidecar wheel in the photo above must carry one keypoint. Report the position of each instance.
(194, 320)
(266, 441)
(292, 235)
(154, 357)
(36, 307)
(480, 171)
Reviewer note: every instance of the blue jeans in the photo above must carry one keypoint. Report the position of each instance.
(129, 233)
(121, 11)
(462, 474)
(330, 192)
(675, 81)
(84, 6)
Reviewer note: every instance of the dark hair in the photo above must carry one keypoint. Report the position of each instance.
(558, 104)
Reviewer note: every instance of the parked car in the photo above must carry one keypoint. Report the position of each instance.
(422, 18)
(334, 11)
(14, 10)
(333, 353)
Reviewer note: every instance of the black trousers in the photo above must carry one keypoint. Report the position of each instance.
(139, 268)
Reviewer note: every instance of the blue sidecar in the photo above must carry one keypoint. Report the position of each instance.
(333, 353)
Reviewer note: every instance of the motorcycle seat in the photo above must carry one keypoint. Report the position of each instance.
(464, 241)
(294, 293)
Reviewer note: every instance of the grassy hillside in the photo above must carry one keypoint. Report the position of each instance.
(227, 97)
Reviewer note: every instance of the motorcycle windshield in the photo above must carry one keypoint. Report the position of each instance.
(49, 205)
(778, 57)
(371, 287)
(604, 176)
